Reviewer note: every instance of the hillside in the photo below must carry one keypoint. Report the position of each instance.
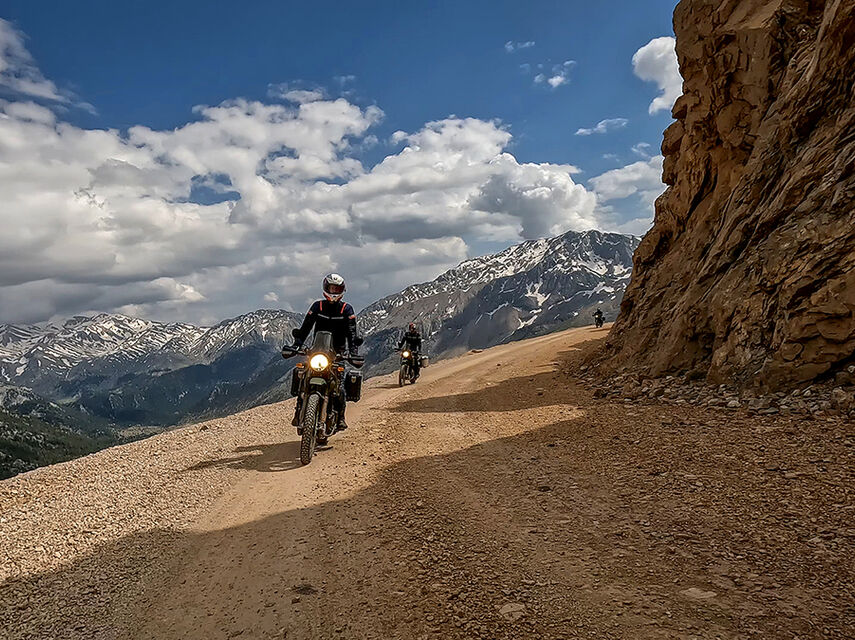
(36, 432)
(748, 274)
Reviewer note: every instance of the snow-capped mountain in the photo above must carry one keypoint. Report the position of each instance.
(132, 371)
(530, 288)
(110, 343)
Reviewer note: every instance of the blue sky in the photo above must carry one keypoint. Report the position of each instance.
(393, 67)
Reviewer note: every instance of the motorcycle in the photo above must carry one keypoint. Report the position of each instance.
(599, 321)
(407, 373)
(318, 383)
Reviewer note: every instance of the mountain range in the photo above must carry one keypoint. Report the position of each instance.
(528, 289)
(93, 376)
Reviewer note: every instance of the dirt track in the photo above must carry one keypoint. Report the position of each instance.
(493, 499)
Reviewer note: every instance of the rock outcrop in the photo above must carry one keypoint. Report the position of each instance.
(748, 274)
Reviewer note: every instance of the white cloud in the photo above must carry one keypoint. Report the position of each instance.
(271, 296)
(301, 96)
(20, 75)
(511, 46)
(104, 219)
(657, 62)
(626, 195)
(604, 126)
(559, 74)
(642, 177)
(294, 92)
(642, 149)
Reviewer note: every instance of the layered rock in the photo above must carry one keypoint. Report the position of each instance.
(748, 274)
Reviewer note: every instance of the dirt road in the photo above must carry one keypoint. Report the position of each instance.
(493, 499)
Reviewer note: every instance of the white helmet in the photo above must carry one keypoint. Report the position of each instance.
(333, 287)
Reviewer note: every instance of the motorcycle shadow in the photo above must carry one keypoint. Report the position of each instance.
(388, 385)
(266, 458)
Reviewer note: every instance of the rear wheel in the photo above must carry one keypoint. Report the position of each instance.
(310, 428)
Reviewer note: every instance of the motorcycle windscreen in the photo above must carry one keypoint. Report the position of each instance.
(323, 342)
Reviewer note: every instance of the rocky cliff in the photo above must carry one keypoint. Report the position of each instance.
(748, 273)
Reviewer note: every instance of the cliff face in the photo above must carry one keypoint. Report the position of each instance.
(748, 274)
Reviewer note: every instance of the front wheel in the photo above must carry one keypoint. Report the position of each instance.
(310, 428)
(402, 375)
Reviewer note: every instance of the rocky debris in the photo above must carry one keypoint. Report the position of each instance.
(748, 274)
(816, 400)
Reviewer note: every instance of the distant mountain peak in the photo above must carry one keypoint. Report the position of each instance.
(574, 255)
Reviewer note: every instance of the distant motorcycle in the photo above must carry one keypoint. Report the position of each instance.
(599, 321)
(317, 383)
(407, 372)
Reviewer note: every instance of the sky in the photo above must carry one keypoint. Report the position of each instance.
(192, 161)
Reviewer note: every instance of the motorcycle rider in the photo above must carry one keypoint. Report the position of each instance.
(336, 316)
(413, 339)
(598, 317)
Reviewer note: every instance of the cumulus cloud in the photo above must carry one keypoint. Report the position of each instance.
(643, 177)
(626, 195)
(604, 126)
(511, 46)
(99, 219)
(657, 62)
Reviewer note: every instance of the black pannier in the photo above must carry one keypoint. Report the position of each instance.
(296, 378)
(353, 386)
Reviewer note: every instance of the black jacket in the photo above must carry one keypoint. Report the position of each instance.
(336, 317)
(413, 340)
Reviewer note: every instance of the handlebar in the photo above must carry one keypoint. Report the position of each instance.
(290, 351)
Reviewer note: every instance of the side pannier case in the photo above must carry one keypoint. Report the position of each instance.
(353, 386)
(296, 378)
(425, 361)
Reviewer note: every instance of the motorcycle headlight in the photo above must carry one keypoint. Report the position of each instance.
(319, 362)
(406, 354)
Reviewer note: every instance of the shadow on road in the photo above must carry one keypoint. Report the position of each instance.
(516, 393)
(282, 456)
